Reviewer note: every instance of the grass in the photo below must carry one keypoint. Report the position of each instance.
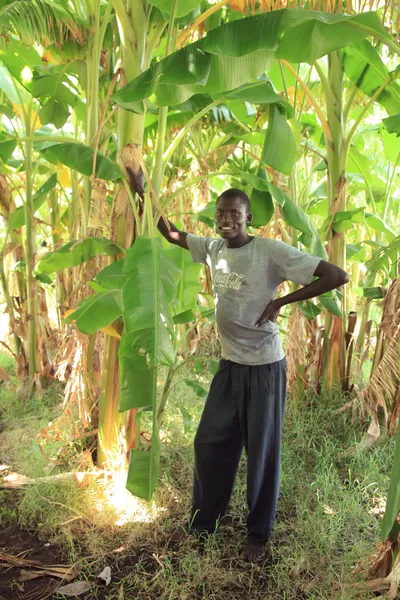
(328, 521)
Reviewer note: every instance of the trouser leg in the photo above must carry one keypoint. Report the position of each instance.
(263, 433)
(218, 446)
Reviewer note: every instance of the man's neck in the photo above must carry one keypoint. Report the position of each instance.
(239, 241)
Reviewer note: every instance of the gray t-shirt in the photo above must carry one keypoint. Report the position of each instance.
(244, 282)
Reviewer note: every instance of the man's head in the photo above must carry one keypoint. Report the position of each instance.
(232, 214)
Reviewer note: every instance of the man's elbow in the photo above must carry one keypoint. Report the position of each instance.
(341, 277)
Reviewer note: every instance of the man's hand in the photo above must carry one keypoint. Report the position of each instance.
(270, 313)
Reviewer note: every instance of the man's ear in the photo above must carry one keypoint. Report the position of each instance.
(249, 217)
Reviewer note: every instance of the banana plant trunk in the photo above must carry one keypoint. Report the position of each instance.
(132, 23)
(30, 255)
(334, 342)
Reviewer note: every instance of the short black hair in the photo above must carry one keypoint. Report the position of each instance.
(236, 193)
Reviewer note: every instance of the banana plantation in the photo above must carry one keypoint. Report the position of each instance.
(116, 116)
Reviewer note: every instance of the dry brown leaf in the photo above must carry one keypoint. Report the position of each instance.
(96, 223)
(74, 589)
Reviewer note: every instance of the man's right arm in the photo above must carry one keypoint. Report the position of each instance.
(173, 235)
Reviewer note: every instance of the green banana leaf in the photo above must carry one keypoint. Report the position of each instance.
(183, 7)
(280, 148)
(137, 380)
(198, 389)
(144, 468)
(260, 92)
(152, 279)
(364, 67)
(7, 145)
(54, 112)
(80, 158)
(75, 253)
(379, 224)
(330, 304)
(20, 61)
(113, 276)
(151, 284)
(392, 124)
(345, 219)
(238, 52)
(189, 285)
(383, 256)
(295, 217)
(393, 502)
(187, 316)
(97, 311)
(308, 309)
(17, 218)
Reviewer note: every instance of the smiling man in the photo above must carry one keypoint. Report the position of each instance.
(246, 401)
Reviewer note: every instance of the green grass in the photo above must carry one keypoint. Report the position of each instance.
(7, 362)
(326, 524)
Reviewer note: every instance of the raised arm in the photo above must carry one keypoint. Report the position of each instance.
(172, 234)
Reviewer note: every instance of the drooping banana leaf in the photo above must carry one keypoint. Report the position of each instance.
(17, 218)
(80, 158)
(389, 523)
(183, 7)
(8, 144)
(77, 252)
(144, 468)
(392, 124)
(365, 68)
(137, 381)
(240, 51)
(151, 284)
(113, 276)
(280, 146)
(188, 286)
(98, 311)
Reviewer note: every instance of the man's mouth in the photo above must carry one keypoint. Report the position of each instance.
(226, 228)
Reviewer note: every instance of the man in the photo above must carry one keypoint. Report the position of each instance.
(246, 402)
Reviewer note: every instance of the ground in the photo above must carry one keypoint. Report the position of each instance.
(328, 520)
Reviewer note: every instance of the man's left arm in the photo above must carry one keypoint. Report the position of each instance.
(329, 276)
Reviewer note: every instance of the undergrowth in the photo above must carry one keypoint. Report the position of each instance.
(328, 520)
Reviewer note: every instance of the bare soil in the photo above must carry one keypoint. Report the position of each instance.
(25, 544)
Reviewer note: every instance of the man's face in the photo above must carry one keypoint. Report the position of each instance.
(231, 217)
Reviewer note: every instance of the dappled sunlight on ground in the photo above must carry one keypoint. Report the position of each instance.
(113, 496)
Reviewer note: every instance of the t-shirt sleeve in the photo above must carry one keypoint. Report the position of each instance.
(293, 265)
(199, 247)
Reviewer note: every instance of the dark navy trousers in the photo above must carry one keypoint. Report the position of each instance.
(245, 407)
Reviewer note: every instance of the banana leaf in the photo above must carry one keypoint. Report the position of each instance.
(17, 217)
(112, 277)
(392, 124)
(7, 145)
(77, 252)
(144, 468)
(152, 278)
(98, 311)
(280, 148)
(183, 7)
(393, 502)
(137, 381)
(238, 52)
(151, 284)
(365, 68)
(188, 286)
(80, 158)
